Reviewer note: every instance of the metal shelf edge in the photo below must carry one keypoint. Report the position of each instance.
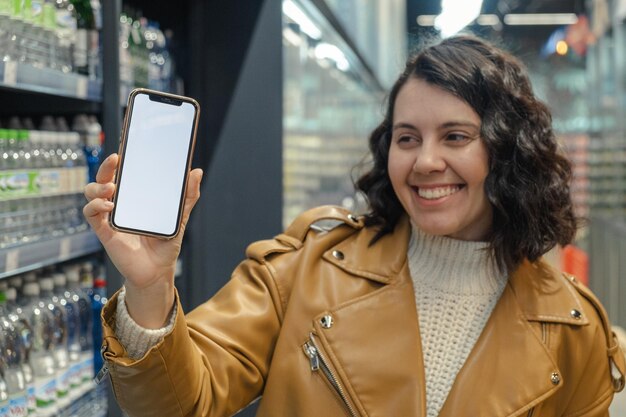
(24, 77)
(36, 255)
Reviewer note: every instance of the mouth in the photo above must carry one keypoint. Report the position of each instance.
(435, 193)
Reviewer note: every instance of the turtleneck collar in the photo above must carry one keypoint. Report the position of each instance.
(454, 266)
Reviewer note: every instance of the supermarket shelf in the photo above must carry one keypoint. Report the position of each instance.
(35, 255)
(24, 77)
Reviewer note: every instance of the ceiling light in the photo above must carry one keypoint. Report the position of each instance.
(541, 19)
(483, 20)
(455, 15)
(297, 15)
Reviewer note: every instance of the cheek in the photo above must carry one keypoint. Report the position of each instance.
(395, 169)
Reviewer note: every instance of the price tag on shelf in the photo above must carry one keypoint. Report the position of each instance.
(12, 261)
(10, 73)
(64, 248)
(81, 87)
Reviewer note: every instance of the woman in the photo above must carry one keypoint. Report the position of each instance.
(435, 303)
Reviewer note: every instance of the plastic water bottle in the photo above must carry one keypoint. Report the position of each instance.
(97, 293)
(83, 301)
(42, 350)
(13, 355)
(25, 331)
(73, 329)
(93, 148)
(59, 339)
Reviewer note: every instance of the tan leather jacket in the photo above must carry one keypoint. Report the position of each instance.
(323, 324)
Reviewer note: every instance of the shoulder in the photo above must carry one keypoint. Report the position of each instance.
(549, 296)
(616, 358)
(313, 222)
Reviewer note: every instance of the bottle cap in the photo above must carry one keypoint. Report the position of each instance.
(72, 275)
(46, 284)
(31, 289)
(99, 283)
(10, 294)
(59, 279)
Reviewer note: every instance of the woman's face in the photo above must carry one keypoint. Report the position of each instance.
(438, 162)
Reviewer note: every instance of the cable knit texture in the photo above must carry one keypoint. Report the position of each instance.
(137, 340)
(457, 285)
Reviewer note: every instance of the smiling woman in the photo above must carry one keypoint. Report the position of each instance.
(436, 303)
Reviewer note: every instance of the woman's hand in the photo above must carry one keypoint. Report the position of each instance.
(147, 263)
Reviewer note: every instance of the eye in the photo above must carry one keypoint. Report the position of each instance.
(406, 140)
(457, 137)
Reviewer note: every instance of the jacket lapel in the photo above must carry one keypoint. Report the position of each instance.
(510, 352)
(382, 368)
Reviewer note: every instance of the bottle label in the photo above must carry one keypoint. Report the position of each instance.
(63, 385)
(4, 409)
(31, 400)
(18, 405)
(45, 393)
(87, 368)
(76, 379)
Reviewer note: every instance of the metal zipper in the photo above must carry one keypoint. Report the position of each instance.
(318, 362)
(104, 371)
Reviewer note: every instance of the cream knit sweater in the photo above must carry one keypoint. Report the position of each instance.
(456, 287)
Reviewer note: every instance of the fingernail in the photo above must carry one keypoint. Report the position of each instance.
(108, 204)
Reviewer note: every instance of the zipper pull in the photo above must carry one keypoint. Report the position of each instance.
(102, 373)
(311, 352)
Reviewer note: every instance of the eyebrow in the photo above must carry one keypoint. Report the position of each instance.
(446, 125)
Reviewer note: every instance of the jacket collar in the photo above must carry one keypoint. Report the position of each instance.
(541, 291)
(380, 262)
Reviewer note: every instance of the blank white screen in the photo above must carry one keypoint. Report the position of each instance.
(154, 167)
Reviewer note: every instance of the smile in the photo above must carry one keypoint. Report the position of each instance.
(437, 192)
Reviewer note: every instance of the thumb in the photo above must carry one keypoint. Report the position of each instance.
(192, 196)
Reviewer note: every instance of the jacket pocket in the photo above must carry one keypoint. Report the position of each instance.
(319, 363)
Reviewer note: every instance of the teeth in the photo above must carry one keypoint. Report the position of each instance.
(435, 193)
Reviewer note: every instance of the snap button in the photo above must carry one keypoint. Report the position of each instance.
(338, 255)
(555, 378)
(575, 314)
(327, 321)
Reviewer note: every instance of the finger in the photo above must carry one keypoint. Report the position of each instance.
(96, 207)
(106, 172)
(193, 194)
(95, 190)
(95, 213)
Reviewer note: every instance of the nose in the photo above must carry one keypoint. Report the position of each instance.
(429, 158)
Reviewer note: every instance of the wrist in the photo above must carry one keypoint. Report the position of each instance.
(150, 307)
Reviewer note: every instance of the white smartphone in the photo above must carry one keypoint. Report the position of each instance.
(156, 149)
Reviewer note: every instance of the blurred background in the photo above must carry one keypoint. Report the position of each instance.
(290, 90)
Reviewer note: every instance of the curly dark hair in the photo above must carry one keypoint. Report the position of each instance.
(528, 180)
